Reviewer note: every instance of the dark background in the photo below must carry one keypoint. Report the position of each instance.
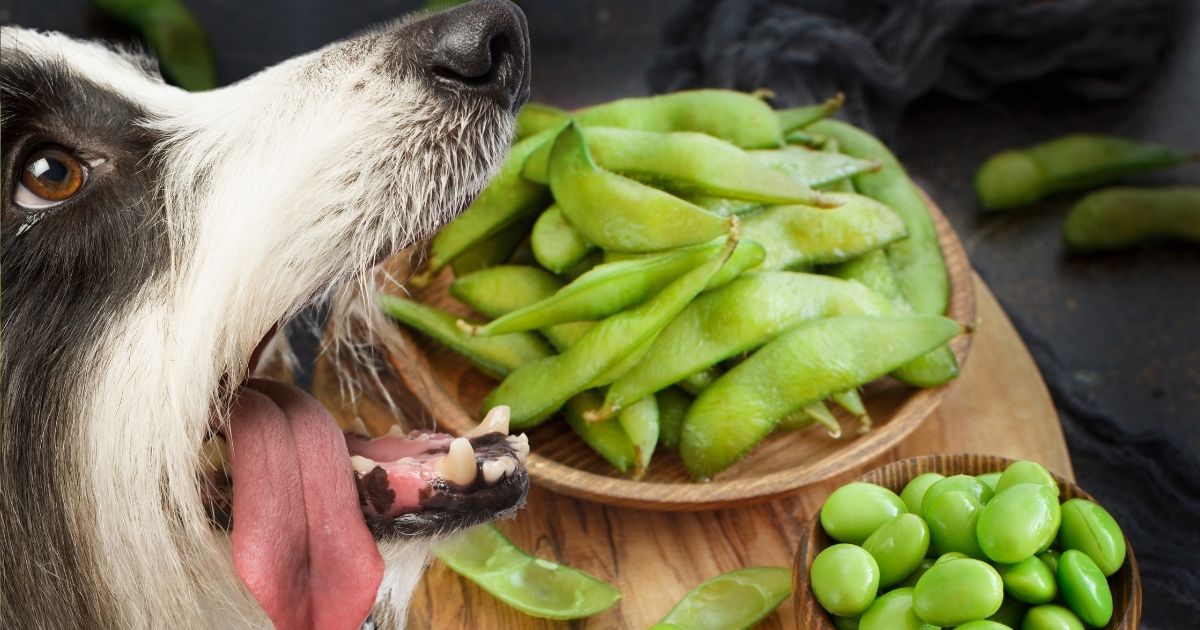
(1116, 335)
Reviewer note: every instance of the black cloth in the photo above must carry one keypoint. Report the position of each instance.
(886, 54)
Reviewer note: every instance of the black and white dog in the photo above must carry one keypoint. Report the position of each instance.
(152, 240)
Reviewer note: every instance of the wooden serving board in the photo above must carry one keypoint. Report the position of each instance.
(1001, 407)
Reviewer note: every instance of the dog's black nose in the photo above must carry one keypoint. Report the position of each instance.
(482, 47)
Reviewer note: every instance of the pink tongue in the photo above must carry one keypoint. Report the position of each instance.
(300, 543)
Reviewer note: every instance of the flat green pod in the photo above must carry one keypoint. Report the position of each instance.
(556, 244)
(734, 600)
(741, 118)
(797, 236)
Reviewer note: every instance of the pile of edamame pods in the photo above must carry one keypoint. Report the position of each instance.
(988, 552)
(692, 271)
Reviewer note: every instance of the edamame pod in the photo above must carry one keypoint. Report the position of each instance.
(799, 367)
(534, 586)
(1074, 162)
(618, 213)
(556, 244)
(535, 118)
(851, 401)
(503, 289)
(176, 37)
(718, 325)
(607, 438)
(815, 168)
(505, 200)
(737, 117)
(795, 118)
(796, 236)
(721, 206)
(917, 260)
(495, 356)
(816, 412)
(493, 250)
(640, 422)
(1117, 218)
(685, 162)
(537, 389)
(738, 599)
(673, 404)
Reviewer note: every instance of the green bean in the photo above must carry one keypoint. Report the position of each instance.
(1117, 218)
(965, 483)
(557, 245)
(604, 290)
(914, 491)
(534, 586)
(621, 214)
(799, 117)
(815, 168)
(1084, 588)
(892, 611)
(844, 579)
(535, 118)
(685, 163)
(1029, 580)
(990, 480)
(493, 250)
(607, 438)
(796, 236)
(641, 423)
(952, 518)
(1092, 530)
(955, 592)
(175, 36)
(1026, 471)
(495, 356)
(507, 199)
(797, 368)
(673, 404)
(719, 325)
(1019, 522)
(984, 624)
(1074, 162)
(736, 117)
(1051, 617)
(917, 260)
(1011, 612)
(898, 547)
(738, 599)
(536, 390)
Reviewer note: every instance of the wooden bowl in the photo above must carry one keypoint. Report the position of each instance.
(445, 387)
(1126, 584)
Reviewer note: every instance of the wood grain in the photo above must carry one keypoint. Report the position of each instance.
(807, 613)
(1000, 406)
(451, 390)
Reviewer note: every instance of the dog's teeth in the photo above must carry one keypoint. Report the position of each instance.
(510, 465)
(493, 470)
(362, 464)
(522, 438)
(396, 432)
(458, 466)
(521, 450)
(496, 421)
(358, 428)
(422, 437)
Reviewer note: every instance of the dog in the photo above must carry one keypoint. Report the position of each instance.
(153, 240)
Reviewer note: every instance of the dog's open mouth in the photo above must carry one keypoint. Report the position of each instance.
(305, 502)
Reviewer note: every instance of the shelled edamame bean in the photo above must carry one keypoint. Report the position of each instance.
(950, 551)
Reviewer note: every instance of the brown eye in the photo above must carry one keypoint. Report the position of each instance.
(50, 176)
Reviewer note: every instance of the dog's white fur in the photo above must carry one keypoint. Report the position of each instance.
(278, 190)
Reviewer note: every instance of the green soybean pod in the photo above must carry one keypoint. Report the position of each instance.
(795, 118)
(717, 326)
(556, 244)
(607, 438)
(534, 586)
(854, 511)
(495, 356)
(537, 389)
(852, 402)
(1026, 472)
(955, 592)
(1089, 528)
(1084, 588)
(494, 250)
(815, 168)
(844, 579)
(673, 404)
(1121, 217)
(737, 599)
(914, 490)
(965, 483)
(507, 199)
(176, 37)
(892, 611)
(535, 118)
(737, 117)
(952, 518)
(641, 423)
(1019, 522)
(1051, 617)
(722, 206)
(1074, 162)
(805, 417)
(917, 260)
(1029, 580)
(685, 163)
(618, 213)
(898, 547)
(798, 236)
(501, 290)
(797, 368)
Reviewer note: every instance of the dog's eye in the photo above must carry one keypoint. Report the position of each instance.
(50, 176)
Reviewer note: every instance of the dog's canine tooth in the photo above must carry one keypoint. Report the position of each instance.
(396, 432)
(458, 466)
(493, 470)
(358, 428)
(362, 464)
(510, 465)
(496, 421)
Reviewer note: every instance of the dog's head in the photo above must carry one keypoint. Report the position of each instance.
(152, 240)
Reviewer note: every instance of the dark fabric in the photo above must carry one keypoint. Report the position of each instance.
(886, 54)
(883, 54)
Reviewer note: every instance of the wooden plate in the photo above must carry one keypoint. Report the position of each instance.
(445, 387)
(1126, 584)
